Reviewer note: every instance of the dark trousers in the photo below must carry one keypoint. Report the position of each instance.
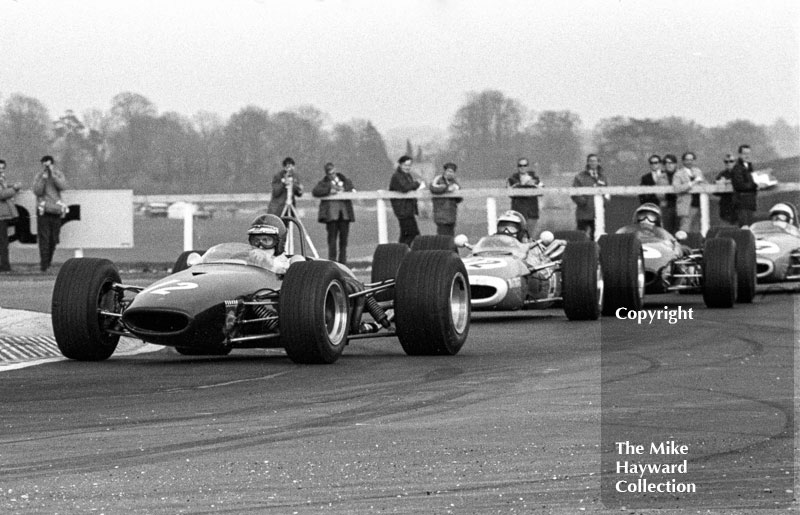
(48, 232)
(586, 226)
(5, 265)
(744, 216)
(669, 219)
(446, 229)
(408, 230)
(338, 231)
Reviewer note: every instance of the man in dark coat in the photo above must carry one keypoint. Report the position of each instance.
(744, 187)
(405, 209)
(591, 176)
(727, 211)
(337, 215)
(284, 182)
(525, 177)
(445, 210)
(655, 177)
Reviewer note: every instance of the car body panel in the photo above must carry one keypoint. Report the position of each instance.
(777, 251)
(501, 279)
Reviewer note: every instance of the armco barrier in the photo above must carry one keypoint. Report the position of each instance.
(491, 195)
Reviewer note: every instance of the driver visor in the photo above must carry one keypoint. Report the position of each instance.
(264, 241)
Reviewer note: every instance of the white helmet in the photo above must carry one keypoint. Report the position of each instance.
(648, 213)
(783, 212)
(512, 223)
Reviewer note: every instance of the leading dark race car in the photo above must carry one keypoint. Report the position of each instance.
(721, 267)
(242, 296)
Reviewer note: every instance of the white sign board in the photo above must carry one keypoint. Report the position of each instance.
(106, 218)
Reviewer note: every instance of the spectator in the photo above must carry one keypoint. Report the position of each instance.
(47, 186)
(445, 210)
(525, 177)
(655, 177)
(283, 183)
(744, 187)
(591, 176)
(405, 209)
(688, 205)
(727, 212)
(337, 215)
(8, 212)
(669, 209)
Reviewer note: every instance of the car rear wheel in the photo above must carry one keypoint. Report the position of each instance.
(719, 273)
(582, 280)
(434, 242)
(385, 262)
(314, 312)
(84, 288)
(746, 271)
(432, 303)
(622, 262)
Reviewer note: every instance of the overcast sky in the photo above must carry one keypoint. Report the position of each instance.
(410, 63)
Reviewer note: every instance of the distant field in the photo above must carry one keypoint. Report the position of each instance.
(160, 240)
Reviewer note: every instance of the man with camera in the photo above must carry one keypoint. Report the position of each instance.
(47, 186)
(285, 186)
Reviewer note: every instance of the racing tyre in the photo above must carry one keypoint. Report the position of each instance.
(719, 273)
(745, 262)
(432, 303)
(434, 242)
(582, 281)
(694, 240)
(83, 287)
(385, 262)
(314, 312)
(180, 263)
(622, 262)
(571, 235)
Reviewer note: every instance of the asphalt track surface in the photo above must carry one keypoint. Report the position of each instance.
(515, 423)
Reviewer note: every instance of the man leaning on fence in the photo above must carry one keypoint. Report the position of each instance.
(525, 177)
(589, 177)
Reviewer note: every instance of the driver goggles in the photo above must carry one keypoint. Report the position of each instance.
(508, 228)
(780, 217)
(650, 217)
(264, 241)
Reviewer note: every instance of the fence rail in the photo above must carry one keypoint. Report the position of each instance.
(490, 194)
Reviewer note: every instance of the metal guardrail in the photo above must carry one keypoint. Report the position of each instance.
(490, 194)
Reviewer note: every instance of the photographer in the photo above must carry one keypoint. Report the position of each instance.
(8, 212)
(47, 186)
(445, 209)
(283, 183)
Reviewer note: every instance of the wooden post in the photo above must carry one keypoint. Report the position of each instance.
(383, 230)
(491, 215)
(599, 216)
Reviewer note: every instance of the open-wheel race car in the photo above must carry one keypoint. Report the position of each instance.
(722, 267)
(224, 299)
(506, 273)
(778, 245)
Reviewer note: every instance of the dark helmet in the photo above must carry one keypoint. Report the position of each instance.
(649, 213)
(783, 212)
(512, 223)
(268, 232)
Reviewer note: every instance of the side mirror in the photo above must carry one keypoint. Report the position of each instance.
(193, 258)
(461, 241)
(681, 235)
(546, 237)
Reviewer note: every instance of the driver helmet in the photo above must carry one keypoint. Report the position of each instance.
(783, 212)
(268, 232)
(648, 214)
(512, 223)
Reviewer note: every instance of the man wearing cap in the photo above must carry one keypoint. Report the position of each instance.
(525, 177)
(445, 209)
